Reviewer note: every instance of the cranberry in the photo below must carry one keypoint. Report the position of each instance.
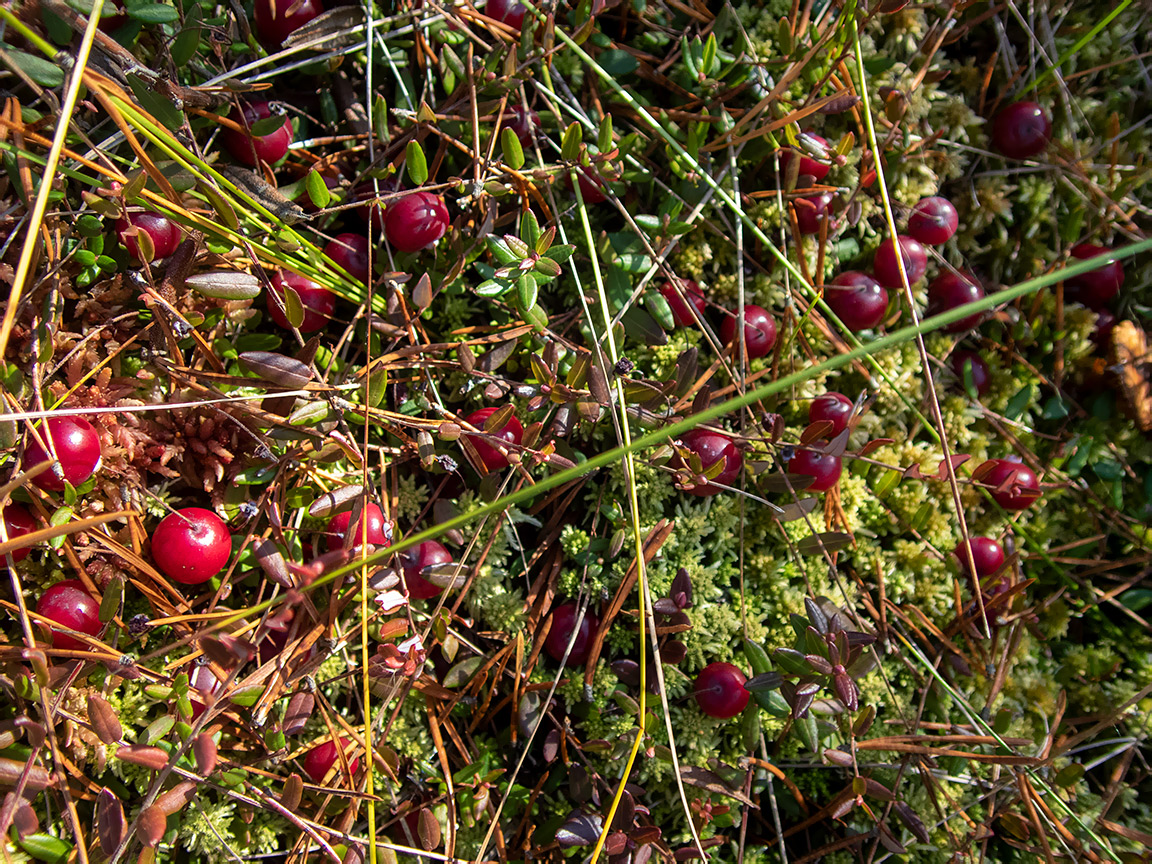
(319, 303)
(17, 522)
(252, 149)
(711, 447)
(372, 210)
(836, 408)
(350, 251)
(191, 545)
(808, 166)
(77, 446)
(274, 21)
(681, 313)
(719, 690)
(591, 186)
(161, 230)
(812, 211)
(69, 604)
(512, 432)
(416, 221)
(1102, 332)
(933, 221)
(858, 300)
(981, 374)
(1023, 488)
(378, 529)
(1096, 287)
(824, 468)
(320, 759)
(1021, 130)
(427, 554)
(524, 122)
(563, 624)
(886, 267)
(759, 331)
(987, 555)
(949, 290)
(508, 12)
(202, 682)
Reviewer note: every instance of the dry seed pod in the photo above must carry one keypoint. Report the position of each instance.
(151, 825)
(300, 708)
(12, 770)
(104, 721)
(204, 749)
(149, 757)
(276, 368)
(176, 798)
(225, 284)
(293, 790)
(110, 822)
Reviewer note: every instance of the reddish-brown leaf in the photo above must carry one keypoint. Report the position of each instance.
(104, 721)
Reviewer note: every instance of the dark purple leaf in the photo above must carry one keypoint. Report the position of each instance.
(581, 829)
(625, 813)
(877, 790)
(673, 652)
(628, 671)
(891, 843)
(764, 682)
(551, 745)
(819, 665)
(846, 691)
(838, 757)
(579, 786)
(616, 842)
(665, 606)
(911, 821)
(816, 615)
(644, 834)
(682, 589)
(843, 808)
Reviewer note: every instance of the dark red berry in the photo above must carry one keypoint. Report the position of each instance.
(379, 531)
(812, 211)
(681, 313)
(1022, 489)
(509, 12)
(17, 522)
(987, 555)
(887, 268)
(512, 432)
(161, 230)
(711, 447)
(563, 625)
(836, 408)
(373, 209)
(1096, 287)
(933, 221)
(69, 604)
(415, 221)
(319, 303)
(427, 554)
(204, 683)
(858, 300)
(809, 167)
(350, 251)
(822, 467)
(77, 446)
(591, 186)
(275, 19)
(251, 149)
(320, 759)
(959, 361)
(524, 122)
(951, 289)
(1021, 130)
(759, 331)
(191, 545)
(719, 690)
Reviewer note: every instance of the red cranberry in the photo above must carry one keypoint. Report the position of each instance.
(1023, 489)
(1021, 130)
(378, 529)
(711, 447)
(69, 604)
(591, 186)
(681, 313)
(1096, 287)
(858, 300)
(512, 433)
(320, 759)
(887, 269)
(319, 303)
(825, 469)
(759, 331)
(812, 211)
(372, 209)
(274, 21)
(17, 522)
(524, 122)
(987, 555)
(836, 408)
(191, 545)
(416, 221)
(509, 12)
(949, 290)
(161, 230)
(350, 251)
(427, 554)
(202, 682)
(563, 624)
(808, 166)
(252, 149)
(981, 374)
(719, 690)
(77, 446)
(933, 221)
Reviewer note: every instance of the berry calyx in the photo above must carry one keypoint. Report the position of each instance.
(759, 331)
(933, 221)
(379, 532)
(964, 363)
(511, 432)
(1021, 130)
(1014, 485)
(887, 268)
(858, 300)
(191, 545)
(719, 690)
(563, 625)
(1096, 287)
(416, 221)
(949, 290)
(319, 303)
(17, 522)
(161, 230)
(427, 554)
(276, 19)
(320, 759)
(711, 447)
(812, 211)
(249, 149)
(77, 446)
(809, 167)
(350, 251)
(69, 604)
(508, 12)
(693, 295)
(824, 468)
(987, 555)
(836, 408)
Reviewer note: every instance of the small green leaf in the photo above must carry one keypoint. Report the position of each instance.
(513, 152)
(526, 292)
(1069, 775)
(416, 163)
(617, 62)
(152, 13)
(560, 253)
(186, 43)
(530, 229)
(112, 600)
(500, 250)
(380, 118)
(45, 847)
(547, 268)
(757, 657)
(43, 72)
(293, 308)
(266, 125)
(570, 144)
(708, 56)
(318, 191)
(604, 136)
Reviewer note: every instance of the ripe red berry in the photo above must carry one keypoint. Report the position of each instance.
(822, 467)
(809, 167)
(563, 625)
(512, 432)
(17, 522)
(858, 300)
(949, 290)
(319, 303)
(1096, 287)
(416, 221)
(191, 545)
(251, 149)
(759, 331)
(275, 19)
(1021, 130)
(886, 267)
(812, 211)
(591, 186)
(202, 682)
(350, 251)
(372, 210)
(524, 122)
(711, 447)
(320, 759)
(836, 408)
(379, 531)
(77, 446)
(681, 313)
(1023, 489)
(161, 230)
(987, 555)
(719, 690)
(958, 361)
(933, 221)
(69, 604)
(427, 554)
(509, 12)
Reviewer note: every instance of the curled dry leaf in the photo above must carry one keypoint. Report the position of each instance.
(103, 719)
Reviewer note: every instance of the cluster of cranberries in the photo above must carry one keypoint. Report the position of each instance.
(686, 300)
